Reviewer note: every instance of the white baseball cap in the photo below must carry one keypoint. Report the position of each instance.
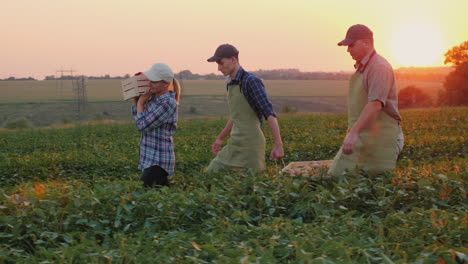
(159, 72)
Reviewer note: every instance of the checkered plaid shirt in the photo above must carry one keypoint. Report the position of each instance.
(254, 92)
(157, 124)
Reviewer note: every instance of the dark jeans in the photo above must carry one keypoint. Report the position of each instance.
(154, 176)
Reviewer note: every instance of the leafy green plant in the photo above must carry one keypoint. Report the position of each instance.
(72, 195)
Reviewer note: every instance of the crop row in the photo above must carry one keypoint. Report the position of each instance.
(71, 196)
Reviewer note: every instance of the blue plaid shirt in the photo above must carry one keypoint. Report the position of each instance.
(157, 124)
(254, 92)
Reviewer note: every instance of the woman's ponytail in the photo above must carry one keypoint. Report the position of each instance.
(177, 89)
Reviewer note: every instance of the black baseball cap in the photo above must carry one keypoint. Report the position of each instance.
(356, 32)
(224, 51)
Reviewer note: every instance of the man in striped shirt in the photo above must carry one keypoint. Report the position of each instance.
(374, 138)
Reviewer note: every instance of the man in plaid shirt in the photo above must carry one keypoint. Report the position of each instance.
(155, 116)
(254, 92)
(248, 104)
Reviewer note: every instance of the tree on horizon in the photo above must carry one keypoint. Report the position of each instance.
(455, 90)
(457, 55)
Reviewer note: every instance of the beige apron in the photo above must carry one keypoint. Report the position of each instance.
(375, 149)
(246, 146)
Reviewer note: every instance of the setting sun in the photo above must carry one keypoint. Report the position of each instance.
(417, 44)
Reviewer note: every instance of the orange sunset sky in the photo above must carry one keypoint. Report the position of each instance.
(116, 37)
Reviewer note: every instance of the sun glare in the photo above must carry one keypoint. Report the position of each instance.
(417, 44)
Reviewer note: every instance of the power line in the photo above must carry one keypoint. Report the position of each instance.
(60, 87)
(79, 89)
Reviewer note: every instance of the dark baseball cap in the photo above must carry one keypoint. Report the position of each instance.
(356, 32)
(224, 51)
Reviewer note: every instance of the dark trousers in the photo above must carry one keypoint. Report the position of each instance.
(154, 176)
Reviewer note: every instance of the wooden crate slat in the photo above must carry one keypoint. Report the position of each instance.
(134, 86)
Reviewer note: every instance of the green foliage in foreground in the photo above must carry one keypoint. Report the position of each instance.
(70, 196)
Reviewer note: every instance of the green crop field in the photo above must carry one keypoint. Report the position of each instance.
(71, 195)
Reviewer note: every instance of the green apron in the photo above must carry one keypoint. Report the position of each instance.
(246, 146)
(375, 149)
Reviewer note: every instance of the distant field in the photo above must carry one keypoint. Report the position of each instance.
(47, 103)
(109, 90)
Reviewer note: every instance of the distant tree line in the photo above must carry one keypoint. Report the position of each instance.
(277, 74)
(18, 79)
(419, 73)
(71, 77)
(66, 77)
(188, 75)
(295, 74)
(412, 73)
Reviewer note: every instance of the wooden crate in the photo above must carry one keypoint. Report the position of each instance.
(306, 168)
(134, 86)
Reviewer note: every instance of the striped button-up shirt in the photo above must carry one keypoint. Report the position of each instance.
(379, 82)
(157, 123)
(254, 92)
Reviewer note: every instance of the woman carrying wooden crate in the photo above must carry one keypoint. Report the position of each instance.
(155, 116)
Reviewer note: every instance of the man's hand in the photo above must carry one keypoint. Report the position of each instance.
(366, 119)
(277, 153)
(216, 146)
(349, 143)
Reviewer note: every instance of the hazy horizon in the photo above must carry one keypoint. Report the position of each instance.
(428, 69)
